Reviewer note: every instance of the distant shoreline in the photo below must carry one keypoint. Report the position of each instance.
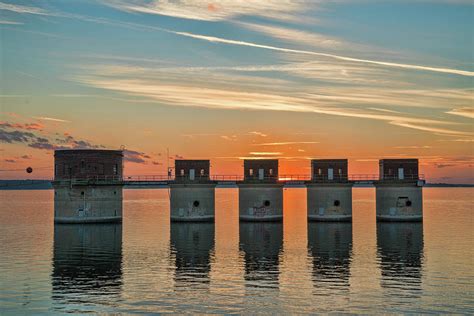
(46, 185)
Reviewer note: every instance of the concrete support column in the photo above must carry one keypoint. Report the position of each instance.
(329, 202)
(87, 203)
(260, 202)
(399, 202)
(192, 202)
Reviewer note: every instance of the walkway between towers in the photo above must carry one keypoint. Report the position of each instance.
(233, 180)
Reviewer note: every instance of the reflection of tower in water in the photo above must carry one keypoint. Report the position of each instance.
(400, 253)
(87, 262)
(261, 243)
(330, 246)
(191, 246)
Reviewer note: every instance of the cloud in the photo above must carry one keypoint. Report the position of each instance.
(45, 118)
(440, 166)
(10, 22)
(429, 128)
(258, 133)
(215, 98)
(214, 10)
(260, 153)
(22, 9)
(466, 112)
(214, 39)
(26, 126)
(12, 133)
(284, 143)
(413, 147)
(297, 36)
(11, 137)
(135, 156)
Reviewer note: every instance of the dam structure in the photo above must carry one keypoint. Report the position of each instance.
(192, 193)
(399, 195)
(260, 192)
(88, 186)
(329, 192)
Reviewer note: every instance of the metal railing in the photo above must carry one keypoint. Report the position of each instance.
(238, 178)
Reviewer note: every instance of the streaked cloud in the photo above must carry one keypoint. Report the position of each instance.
(10, 22)
(258, 133)
(52, 119)
(22, 9)
(215, 39)
(466, 112)
(285, 143)
(265, 153)
(214, 10)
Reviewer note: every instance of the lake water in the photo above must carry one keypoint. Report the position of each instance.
(147, 265)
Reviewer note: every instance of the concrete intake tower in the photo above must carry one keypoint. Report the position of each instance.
(88, 186)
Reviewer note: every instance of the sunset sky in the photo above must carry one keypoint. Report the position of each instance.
(230, 79)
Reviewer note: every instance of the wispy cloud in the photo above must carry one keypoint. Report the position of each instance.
(214, 39)
(52, 119)
(22, 9)
(10, 22)
(228, 99)
(265, 153)
(466, 112)
(298, 37)
(413, 147)
(214, 10)
(258, 133)
(285, 143)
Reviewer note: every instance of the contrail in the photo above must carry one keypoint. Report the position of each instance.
(306, 52)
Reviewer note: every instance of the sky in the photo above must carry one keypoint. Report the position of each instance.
(227, 80)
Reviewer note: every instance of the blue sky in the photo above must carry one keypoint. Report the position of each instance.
(357, 79)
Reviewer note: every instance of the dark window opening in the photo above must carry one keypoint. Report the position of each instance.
(82, 192)
(408, 203)
(337, 203)
(196, 203)
(266, 203)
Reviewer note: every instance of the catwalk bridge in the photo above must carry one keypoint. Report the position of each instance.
(233, 180)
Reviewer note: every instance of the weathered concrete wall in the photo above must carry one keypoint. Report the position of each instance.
(81, 204)
(329, 202)
(194, 202)
(403, 202)
(84, 163)
(192, 245)
(261, 244)
(330, 245)
(86, 257)
(261, 202)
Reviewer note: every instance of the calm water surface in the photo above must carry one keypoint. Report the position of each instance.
(148, 265)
